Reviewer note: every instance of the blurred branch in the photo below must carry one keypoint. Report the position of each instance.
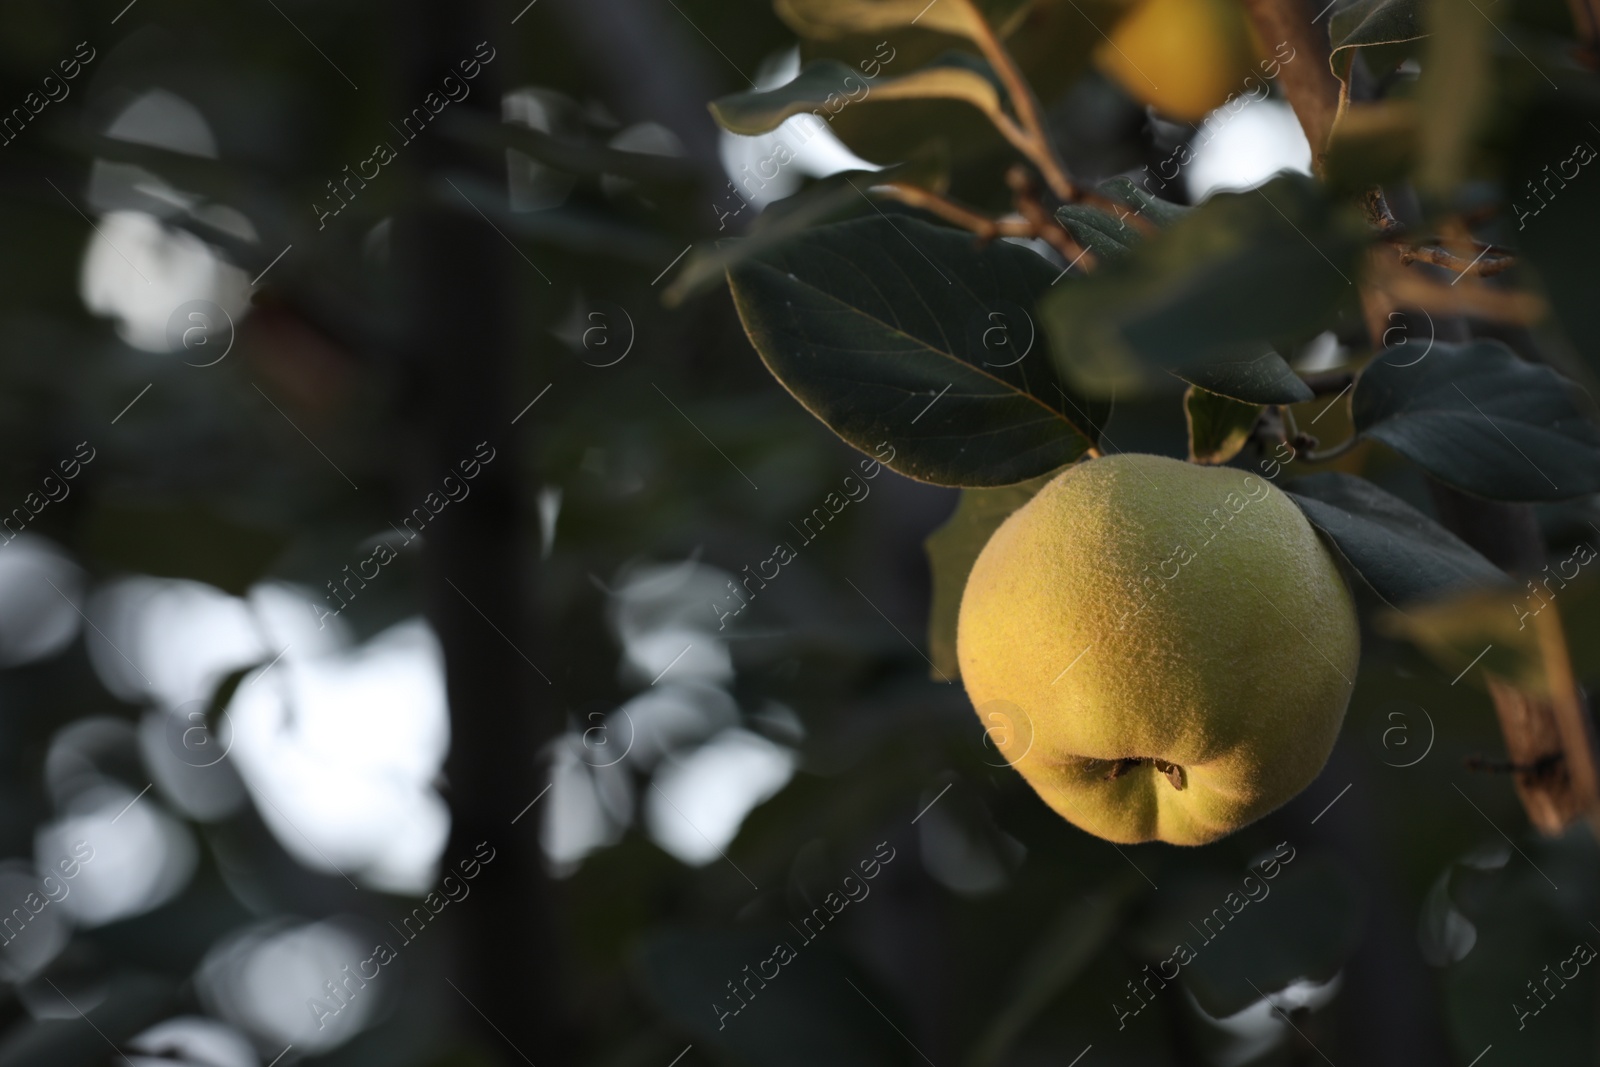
(1548, 735)
(1586, 20)
(1483, 266)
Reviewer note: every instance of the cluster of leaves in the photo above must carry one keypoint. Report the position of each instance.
(987, 365)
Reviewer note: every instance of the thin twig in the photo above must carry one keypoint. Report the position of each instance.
(915, 196)
(1026, 199)
(1036, 221)
(1036, 143)
(1483, 266)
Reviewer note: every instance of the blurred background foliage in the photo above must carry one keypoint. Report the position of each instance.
(666, 791)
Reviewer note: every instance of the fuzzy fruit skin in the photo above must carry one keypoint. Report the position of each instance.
(1141, 607)
(1182, 57)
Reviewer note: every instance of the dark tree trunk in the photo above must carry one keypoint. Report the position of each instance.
(458, 349)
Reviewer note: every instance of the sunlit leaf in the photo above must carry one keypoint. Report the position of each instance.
(1219, 426)
(836, 18)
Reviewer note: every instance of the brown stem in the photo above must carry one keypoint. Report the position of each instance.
(1036, 144)
(1044, 223)
(1484, 266)
(1036, 219)
(1308, 80)
(915, 196)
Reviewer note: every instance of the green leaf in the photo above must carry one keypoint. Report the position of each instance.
(1479, 418)
(1403, 555)
(1266, 379)
(1369, 24)
(837, 18)
(905, 336)
(826, 87)
(1106, 236)
(952, 550)
(1219, 426)
(825, 200)
(1222, 283)
(1161, 212)
(1265, 945)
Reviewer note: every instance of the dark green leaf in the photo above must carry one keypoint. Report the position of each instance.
(1106, 236)
(1398, 551)
(1481, 419)
(906, 338)
(1371, 23)
(1222, 283)
(1241, 947)
(842, 194)
(1161, 212)
(1266, 379)
(1218, 425)
(952, 550)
